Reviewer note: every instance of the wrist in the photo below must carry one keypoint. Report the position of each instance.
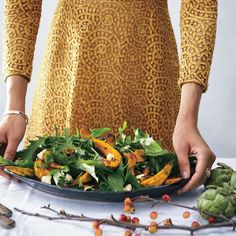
(16, 93)
(190, 100)
(16, 113)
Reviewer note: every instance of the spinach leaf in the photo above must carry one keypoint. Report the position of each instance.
(115, 180)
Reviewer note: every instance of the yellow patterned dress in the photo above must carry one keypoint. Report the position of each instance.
(107, 61)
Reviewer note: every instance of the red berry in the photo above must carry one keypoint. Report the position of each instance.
(195, 224)
(212, 220)
(123, 218)
(186, 214)
(95, 225)
(128, 233)
(135, 220)
(98, 232)
(153, 215)
(166, 198)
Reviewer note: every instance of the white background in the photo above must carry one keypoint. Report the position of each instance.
(217, 118)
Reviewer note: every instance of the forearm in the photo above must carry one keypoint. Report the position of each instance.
(16, 92)
(190, 100)
(198, 31)
(20, 27)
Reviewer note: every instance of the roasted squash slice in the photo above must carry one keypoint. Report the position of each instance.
(139, 153)
(131, 161)
(113, 157)
(54, 165)
(173, 180)
(39, 169)
(22, 171)
(159, 178)
(84, 178)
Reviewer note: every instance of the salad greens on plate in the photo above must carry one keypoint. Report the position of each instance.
(95, 159)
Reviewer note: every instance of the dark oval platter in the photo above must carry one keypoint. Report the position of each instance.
(153, 192)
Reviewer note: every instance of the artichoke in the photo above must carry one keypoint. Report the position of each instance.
(218, 200)
(222, 174)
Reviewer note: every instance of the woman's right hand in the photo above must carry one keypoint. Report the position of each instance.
(12, 131)
(13, 127)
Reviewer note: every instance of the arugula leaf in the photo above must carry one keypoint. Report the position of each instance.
(104, 186)
(6, 162)
(98, 132)
(48, 160)
(155, 164)
(131, 179)
(27, 155)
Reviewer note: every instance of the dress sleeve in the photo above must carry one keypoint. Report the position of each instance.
(20, 28)
(198, 31)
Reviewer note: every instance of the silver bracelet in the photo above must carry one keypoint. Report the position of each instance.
(19, 113)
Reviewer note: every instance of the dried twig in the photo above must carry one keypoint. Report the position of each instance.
(112, 221)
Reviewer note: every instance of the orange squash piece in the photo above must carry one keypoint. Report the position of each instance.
(131, 161)
(39, 169)
(159, 178)
(84, 178)
(22, 171)
(173, 180)
(106, 149)
(54, 165)
(139, 153)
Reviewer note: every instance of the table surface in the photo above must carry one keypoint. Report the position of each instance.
(19, 195)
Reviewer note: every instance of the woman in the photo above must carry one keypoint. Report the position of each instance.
(110, 61)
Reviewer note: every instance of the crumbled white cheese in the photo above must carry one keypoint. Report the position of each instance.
(110, 157)
(69, 177)
(47, 179)
(140, 176)
(127, 188)
(43, 154)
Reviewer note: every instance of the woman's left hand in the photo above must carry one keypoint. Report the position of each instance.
(188, 141)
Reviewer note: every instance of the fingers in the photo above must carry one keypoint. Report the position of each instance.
(9, 154)
(199, 177)
(2, 146)
(11, 149)
(183, 162)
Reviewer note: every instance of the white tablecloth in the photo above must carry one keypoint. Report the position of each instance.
(19, 195)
